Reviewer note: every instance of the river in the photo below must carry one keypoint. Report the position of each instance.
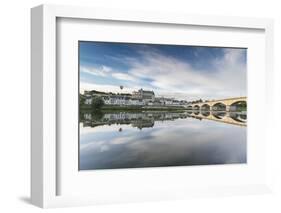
(111, 140)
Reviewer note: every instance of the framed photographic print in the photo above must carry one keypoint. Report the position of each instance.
(152, 105)
(130, 106)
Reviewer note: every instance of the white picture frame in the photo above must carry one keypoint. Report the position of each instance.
(44, 116)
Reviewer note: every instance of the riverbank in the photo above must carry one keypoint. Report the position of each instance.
(133, 108)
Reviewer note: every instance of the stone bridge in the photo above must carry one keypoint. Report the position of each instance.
(229, 104)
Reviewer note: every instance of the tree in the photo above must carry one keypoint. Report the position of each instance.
(97, 103)
(81, 100)
(97, 115)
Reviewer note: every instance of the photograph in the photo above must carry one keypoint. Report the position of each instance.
(161, 105)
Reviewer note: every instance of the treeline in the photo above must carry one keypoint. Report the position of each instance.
(97, 103)
(93, 92)
(196, 101)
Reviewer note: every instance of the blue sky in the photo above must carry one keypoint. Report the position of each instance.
(183, 72)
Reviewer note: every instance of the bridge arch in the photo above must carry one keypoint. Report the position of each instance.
(205, 113)
(205, 107)
(196, 107)
(238, 117)
(219, 106)
(196, 112)
(218, 115)
(240, 105)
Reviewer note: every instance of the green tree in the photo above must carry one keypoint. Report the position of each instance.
(81, 100)
(97, 103)
(97, 115)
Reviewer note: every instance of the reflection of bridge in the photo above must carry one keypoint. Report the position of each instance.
(229, 104)
(147, 119)
(225, 117)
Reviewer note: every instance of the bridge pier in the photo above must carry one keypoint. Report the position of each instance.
(227, 108)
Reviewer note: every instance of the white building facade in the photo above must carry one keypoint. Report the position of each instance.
(137, 98)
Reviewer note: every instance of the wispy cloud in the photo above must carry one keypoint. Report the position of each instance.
(222, 76)
(97, 71)
(124, 76)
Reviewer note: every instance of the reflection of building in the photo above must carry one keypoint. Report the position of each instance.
(140, 120)
(143, 123)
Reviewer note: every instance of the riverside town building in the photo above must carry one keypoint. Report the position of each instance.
(137, 98)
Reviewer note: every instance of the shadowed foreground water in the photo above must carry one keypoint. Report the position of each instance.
(154, 139)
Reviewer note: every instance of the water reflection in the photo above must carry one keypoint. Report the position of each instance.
(146, 119)
(147, 139)
(239, 117)
(206, 113)
(219, 115)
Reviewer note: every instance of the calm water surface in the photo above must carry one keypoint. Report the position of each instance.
(154, 139)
